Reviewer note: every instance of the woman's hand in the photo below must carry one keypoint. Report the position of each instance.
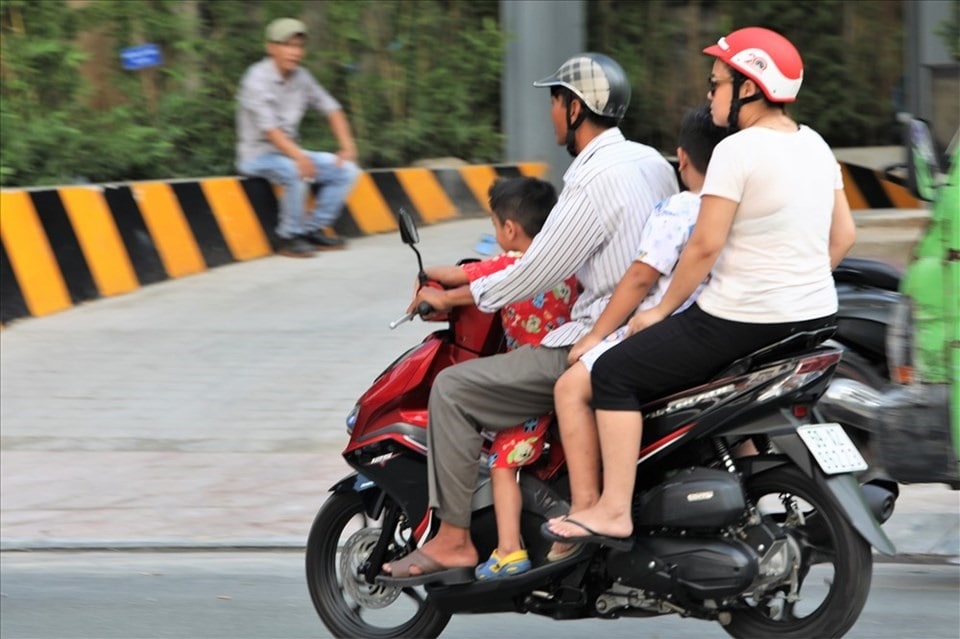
(583, 345)
(645, 319)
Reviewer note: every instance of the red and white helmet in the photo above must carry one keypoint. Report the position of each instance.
(764, 56)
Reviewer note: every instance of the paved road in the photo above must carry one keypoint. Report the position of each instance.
(260, 595)
(209, 411)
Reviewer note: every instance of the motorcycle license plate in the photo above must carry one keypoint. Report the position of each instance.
(832, 448)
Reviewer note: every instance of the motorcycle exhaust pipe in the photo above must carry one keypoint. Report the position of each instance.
(880, 499)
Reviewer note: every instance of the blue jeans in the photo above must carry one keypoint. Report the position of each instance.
(335, 183)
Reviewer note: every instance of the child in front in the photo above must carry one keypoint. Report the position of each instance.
(520, 206)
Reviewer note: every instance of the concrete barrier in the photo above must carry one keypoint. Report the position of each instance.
(65, 245)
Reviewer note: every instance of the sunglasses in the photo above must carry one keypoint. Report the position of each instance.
(713, 84)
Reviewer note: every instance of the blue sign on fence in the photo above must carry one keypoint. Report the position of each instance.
(141, 57)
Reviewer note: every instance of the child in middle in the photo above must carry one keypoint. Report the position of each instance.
(520, 206)
(641, 287)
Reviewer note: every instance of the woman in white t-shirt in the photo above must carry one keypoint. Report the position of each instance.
(773, 223)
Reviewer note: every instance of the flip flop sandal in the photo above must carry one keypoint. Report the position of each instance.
(617, 543)
(496, 567)
(431, 571)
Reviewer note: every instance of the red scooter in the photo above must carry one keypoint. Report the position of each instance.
(774, 544)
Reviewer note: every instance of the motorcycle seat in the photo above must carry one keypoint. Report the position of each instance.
(863, 272)
(792, 345)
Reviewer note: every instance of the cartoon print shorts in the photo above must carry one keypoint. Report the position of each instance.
(521, 444)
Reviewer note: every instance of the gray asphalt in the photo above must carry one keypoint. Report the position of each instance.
(209, 411)
(256, 595)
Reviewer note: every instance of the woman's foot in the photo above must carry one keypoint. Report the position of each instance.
(592, 521)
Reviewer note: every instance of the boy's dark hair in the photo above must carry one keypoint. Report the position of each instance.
(604, 122)
(525, 200)
(699, 135)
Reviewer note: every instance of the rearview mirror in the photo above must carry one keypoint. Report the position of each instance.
(408, 230)
(924, 173)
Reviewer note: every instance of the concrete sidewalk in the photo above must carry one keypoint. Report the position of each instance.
(209, 411)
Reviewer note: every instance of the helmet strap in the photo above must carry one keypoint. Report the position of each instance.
(572, 126)
(733, 120)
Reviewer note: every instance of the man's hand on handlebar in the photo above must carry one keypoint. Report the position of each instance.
(435, 297)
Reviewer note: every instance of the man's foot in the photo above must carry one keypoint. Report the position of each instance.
(446, 553)
(323, 242)
(436, 561)
(420, 568)
(294, 247)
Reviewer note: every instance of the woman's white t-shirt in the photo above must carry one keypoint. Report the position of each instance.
(775, 266)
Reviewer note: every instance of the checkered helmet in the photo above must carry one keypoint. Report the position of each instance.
(597, 80)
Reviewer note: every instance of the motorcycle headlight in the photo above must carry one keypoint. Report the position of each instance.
(352, 418)
(901, 355)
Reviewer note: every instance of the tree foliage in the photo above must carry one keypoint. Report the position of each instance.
(852, 54)
(418, 78)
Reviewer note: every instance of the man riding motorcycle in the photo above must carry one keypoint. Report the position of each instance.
(609, 191)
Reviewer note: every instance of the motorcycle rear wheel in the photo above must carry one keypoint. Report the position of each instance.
(340, 540)
(828, 543)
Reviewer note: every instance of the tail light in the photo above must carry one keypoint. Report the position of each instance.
(901, 352)
(809, 369)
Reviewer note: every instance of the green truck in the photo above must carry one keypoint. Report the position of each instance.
(896, 389)
(924, 340)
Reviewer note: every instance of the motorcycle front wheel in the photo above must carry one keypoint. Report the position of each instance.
(340, 542)
(826, 594)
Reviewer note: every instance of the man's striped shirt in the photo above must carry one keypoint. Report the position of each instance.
(594, 231)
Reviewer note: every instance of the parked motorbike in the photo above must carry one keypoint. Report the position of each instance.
(773, 544)
(868, 298)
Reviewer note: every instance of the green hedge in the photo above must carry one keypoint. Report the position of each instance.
(419, 78)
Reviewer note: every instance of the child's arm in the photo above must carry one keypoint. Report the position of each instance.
(447, 275)
(696, 260)
(442, 300)
(630, 291)
(456, 280)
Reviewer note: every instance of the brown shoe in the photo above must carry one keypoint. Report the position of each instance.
(323, 242)
(294, 247)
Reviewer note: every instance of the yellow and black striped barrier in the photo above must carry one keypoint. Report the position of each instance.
(65, 245)
(873, 189)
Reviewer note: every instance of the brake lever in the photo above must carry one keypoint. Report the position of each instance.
(400, 320)
(423, 309)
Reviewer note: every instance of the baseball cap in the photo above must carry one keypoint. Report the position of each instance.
(282, 29)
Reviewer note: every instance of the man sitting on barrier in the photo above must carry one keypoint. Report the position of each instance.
(273, 97)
